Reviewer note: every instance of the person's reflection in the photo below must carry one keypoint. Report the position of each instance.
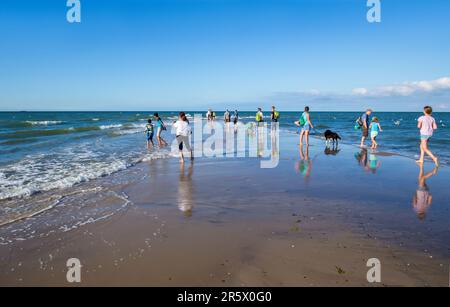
(361, 157)
(373, 163)
(274, 132)
(304, 165)
(422, 198)
(185, 190)
(368, 161)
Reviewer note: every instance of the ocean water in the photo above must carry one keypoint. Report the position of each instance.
(46, 151)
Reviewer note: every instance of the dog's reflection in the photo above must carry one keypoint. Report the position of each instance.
(332, 150)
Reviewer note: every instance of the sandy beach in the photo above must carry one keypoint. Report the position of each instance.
(227, 222)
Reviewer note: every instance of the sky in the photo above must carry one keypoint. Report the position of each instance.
(195, 54)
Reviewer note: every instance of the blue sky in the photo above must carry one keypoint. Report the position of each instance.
(191, 54)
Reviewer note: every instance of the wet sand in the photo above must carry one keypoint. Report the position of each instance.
(227, 222)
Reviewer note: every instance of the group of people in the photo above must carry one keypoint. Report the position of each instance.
(426, 124)
(182, 133)
(369, 126)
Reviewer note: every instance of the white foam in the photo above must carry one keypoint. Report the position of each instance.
(103, 127)
(45, 122)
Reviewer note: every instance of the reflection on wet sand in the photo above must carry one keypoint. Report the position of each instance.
(368, 161)
(185, 190)
(422, 198)
(304, 165)
(332, 150)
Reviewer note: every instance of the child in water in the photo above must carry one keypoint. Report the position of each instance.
(427, 125)
(149, 132)
(375, 129)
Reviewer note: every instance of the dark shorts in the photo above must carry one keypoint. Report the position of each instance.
(149, 136)
(365, 132)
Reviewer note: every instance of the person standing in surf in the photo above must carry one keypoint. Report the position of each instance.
(427, 125)
(305, 123)
(274, 115)
(259, 118)
(149, 132)
(182, 133)
(160, 128)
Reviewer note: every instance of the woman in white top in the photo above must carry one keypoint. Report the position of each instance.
(182, 133)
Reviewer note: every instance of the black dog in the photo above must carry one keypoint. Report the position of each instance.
(331, 136)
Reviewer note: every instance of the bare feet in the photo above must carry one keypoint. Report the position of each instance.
(419, 161)
(436, 161)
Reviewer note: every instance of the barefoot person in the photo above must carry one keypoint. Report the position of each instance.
(364, 122)
(160, 127)
(305, 123)
(427, 125)
(182, 133)
(375, 129)
(149, 132)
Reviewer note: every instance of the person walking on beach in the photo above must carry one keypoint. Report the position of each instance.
(149, 132)
(375, 129)
(363, 122)
(259, 118)
(182, 133)
(305, 123)
(427, 125)
(274, 115)
(159, 128)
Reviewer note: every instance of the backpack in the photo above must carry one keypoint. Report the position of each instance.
(302, 120)
(276, 115)
(359, 123)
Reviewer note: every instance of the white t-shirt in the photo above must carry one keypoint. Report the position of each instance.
(428, 124)
(182, 128)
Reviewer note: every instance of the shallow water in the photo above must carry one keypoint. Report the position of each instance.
(42, 152)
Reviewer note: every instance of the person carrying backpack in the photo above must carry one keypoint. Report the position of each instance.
(305, 123)
(363, 123)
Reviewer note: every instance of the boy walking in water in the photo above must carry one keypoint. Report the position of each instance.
(427, 125)
(149, 132)
(375, 129)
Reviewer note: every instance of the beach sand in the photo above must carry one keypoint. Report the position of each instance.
(227, 222)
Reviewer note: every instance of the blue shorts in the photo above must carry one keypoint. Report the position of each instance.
(424, 137)
(306, 127)
(150, 136)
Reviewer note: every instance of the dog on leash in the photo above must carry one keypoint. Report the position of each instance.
(331, 136)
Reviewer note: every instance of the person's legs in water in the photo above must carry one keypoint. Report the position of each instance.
(364, 135)
(150, 141)
(428, 152)
(374, 142)
(161, 141)
(302, 133)
(307, 137)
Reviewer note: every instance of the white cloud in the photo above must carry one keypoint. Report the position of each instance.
(406, 88)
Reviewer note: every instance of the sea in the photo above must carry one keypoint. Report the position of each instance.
(43, 151)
